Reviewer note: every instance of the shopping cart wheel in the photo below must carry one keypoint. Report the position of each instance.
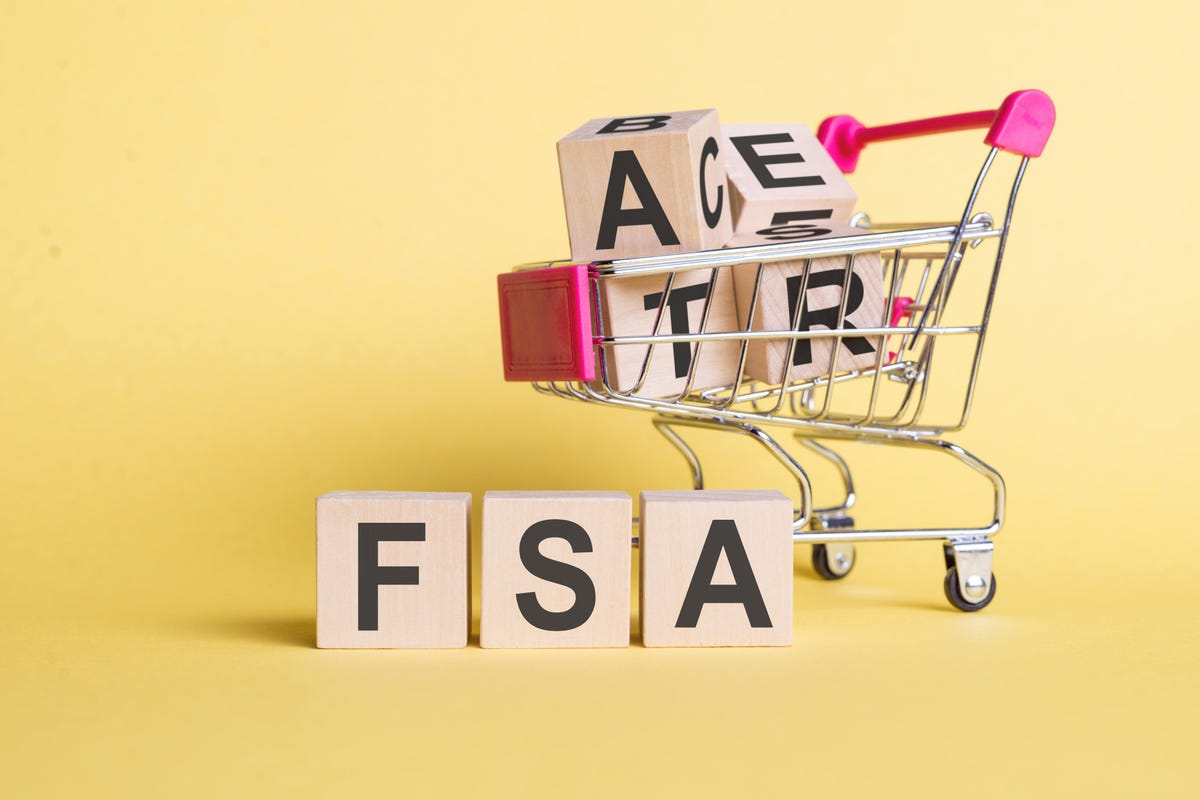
(955, 596)
(833, 561)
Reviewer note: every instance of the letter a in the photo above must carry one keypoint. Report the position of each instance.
(626, 168)
(723, 536)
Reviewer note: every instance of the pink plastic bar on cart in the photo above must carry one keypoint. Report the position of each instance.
(1021, 125)
(546, 324)
(900, 310)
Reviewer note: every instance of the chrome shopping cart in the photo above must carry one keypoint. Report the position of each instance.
(555, 336)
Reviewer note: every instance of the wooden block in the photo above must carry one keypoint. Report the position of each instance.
(779, 294)
(716, 568)
(642, 186)
(629, 307)
(556, 569)
(393, 569)
(782, 179)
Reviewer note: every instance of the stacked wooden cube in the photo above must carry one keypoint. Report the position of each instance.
(682, 182)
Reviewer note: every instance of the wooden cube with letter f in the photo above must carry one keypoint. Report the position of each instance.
(393, 569)
(716, 568)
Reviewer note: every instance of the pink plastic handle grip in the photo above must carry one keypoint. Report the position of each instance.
(546, 324)
(1021, 125)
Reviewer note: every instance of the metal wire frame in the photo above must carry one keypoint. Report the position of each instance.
(808, 408)
(794, 403)
(748, 408)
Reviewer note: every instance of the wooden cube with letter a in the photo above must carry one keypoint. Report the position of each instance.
(780, 304)
(643, 186)
(716, 568)
(781, 177)
(631, 307)
(556, 569)
(393, 569)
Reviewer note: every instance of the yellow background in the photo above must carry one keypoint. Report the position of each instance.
(248, 257)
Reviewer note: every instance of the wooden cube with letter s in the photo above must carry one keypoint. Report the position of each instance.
(555, 569)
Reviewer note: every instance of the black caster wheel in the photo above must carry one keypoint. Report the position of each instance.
(955, 596)
(832, 565)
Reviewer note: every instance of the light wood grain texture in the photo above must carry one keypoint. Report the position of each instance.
(556, 569)
(409, 553)
(780, 176)
(779, 294)
(691, 541)
(646, 185)
(630, 308)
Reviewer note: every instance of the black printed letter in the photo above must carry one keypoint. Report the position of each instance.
(631, 124)
(625, 167)
(760, 164)
(723, 535)
(825, 317)
(677, 305)
(711, 216)
(566, 575)
(782, 230)
(371, 576)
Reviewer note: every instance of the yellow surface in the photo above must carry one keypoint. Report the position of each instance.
(248, 254)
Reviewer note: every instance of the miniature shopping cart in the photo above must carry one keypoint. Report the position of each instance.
(554, 336)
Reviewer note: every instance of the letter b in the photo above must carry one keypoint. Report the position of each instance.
(633, 124)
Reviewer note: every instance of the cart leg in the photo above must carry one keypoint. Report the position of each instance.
(966, 458)
(850, 497)
(833, 560)
(666, 426)
(970, 584)
(685, 450)
(803, 514)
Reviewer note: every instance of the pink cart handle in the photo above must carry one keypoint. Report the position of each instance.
(1021, 125)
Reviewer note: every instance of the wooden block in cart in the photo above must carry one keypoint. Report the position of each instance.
(631, 306)
(555, 569)
(644, 186)
(393, 569)
(782, 180)
(780, 304)
(716, 568)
